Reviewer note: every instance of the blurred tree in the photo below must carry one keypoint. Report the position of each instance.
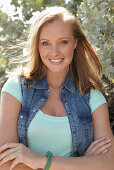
(97, 21)
(30, 6)
(10, 32)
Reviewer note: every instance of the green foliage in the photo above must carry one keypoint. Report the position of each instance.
(97, 20)
(27, 7)
(30, 6)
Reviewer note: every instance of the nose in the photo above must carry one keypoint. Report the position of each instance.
(55, 50)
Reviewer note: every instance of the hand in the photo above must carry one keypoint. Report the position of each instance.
(99, 146)
(19, 153)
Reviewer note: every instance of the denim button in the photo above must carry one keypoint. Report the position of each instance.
(42, 100)
(21, 117)
(34, 110)
(74, 131)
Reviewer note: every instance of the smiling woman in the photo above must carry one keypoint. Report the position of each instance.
(56, 116)
(57, 46)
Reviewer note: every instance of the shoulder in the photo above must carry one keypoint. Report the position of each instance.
(11, 81)
(96, 99)
(12, 86)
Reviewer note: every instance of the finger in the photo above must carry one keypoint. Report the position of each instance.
(97, 145)
(7, 146)
(100, 145)
(105, 151)
(103, 148)
(98, 150)
(5, 153)
(8, 158)
(95, 142)
(14, 164)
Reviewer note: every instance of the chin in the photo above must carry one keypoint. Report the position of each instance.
(58, 70)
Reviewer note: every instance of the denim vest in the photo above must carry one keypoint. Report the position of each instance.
(77, 109)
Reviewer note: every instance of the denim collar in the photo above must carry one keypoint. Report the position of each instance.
(69, 83)
(42, 84)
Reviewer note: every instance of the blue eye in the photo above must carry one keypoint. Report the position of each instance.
(64, 42)
(45, 43)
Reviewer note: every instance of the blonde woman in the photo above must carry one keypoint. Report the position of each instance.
(53, 115)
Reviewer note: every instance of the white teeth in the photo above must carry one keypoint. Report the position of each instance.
(56, 60)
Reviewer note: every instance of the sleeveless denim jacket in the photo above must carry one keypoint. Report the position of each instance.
(77, 109)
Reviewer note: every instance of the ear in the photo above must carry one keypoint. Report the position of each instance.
(75, 43)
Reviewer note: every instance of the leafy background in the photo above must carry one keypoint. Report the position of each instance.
(96, 17)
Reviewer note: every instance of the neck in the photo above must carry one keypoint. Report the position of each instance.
(56, 80)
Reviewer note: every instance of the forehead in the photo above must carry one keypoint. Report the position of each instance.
(58, 27)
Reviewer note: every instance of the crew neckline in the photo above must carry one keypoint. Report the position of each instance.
(41, 114)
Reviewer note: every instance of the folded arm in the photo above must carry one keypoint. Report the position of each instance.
(105, 161)
(10, 108)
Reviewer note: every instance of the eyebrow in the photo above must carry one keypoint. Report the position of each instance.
(58, 39)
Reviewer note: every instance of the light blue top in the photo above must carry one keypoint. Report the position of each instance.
(57, 132)
(56, 129)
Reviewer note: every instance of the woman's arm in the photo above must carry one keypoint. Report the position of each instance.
(10, 109)
(105, 161)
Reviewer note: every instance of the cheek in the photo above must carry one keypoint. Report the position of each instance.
(43, 52)
(69, 51)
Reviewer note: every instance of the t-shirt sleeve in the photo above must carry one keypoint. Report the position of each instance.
(12, 86)
(96, 99)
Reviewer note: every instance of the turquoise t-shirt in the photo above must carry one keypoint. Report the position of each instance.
(58, 139)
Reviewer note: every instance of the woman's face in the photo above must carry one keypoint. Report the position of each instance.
(56, 45)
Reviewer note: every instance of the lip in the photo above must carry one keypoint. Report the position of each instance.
(56, 61)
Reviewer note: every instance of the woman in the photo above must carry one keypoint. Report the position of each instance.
(55, 105)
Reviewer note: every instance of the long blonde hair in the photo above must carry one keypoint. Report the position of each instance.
(85, 66)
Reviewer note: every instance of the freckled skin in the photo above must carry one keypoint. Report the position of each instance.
(57, 43)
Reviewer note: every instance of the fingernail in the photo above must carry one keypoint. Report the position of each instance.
(109, 144)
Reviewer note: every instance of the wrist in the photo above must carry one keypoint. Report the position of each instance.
(44, 161)
(49, 160)
(41, 162)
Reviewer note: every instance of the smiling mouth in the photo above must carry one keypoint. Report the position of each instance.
(56, 61)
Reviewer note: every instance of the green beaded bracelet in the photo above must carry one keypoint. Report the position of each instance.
(49, 161)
